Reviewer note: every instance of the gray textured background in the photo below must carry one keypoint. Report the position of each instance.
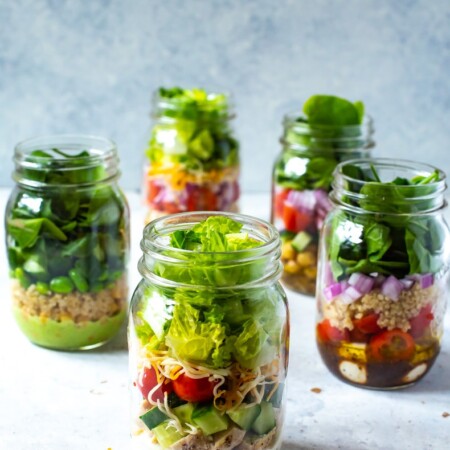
(90, 66)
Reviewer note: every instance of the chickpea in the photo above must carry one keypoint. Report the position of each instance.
(287, 251)
(306, 259)
(311, 272)
(291, 267)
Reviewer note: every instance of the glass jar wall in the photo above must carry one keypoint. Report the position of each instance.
(67, 226)
(208, 335)
(301, 182)
(193, 155)
(384, 266)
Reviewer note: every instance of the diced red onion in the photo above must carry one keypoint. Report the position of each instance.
(302, 200)
(350, 295)
(323, 200)
(424, 280)
(392, 288)
(332, 291)
(328, 274)
(408, 283)
(362, 283)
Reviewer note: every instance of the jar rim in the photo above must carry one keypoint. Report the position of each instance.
(422, 198)
(151, 230)
(224, 110)
(101, 151)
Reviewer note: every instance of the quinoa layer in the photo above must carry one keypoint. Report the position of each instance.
(77, 306)
(392, 314)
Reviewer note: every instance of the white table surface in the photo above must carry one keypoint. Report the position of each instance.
(69, 401)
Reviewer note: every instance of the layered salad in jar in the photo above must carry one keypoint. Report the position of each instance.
(67, 251)
(383, 283)
(193, 156)
(208, 362)
(329, 131)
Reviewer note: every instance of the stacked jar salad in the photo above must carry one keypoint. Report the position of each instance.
(193, 157)
(67, 242)
(208, 336)
(330, 130)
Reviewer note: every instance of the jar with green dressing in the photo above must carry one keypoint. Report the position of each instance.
(67, 241)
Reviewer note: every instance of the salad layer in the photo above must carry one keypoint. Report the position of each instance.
(382, 291)
(193, 156)
(70, 321)
(381, 331)
(209, 364)
(314, 144)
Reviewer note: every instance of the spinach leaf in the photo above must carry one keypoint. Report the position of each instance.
(331, 110)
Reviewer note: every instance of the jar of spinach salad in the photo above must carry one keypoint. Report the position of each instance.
(330, 130)
(67, 238)
(384, 269)
(193, 155)
(208, 335)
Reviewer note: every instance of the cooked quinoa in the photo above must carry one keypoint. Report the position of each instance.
(392, 314)
(77, 306)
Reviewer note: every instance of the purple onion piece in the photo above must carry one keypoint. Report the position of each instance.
(392, 288)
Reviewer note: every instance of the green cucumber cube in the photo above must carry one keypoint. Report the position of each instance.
(266, 419)
(209, 420)
(244, 417)
(184, 412)
(301, 241)
(153, 418)
(166, 435)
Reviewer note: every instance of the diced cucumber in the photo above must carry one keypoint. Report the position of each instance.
(184, 412)
(153, 418)
(209, 420)
(166, 435)
(301, 241)
(244, 417)
(266, 419)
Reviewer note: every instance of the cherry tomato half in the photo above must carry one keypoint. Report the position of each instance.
(421, 322)
(193, 389)
(147, 381)
(368, 324)
(326, 332)
(391, 345)
(279, 202)
(295, 220)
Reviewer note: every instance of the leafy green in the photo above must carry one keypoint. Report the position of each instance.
(387, 237)
(329, 128)
(192, 130)
(54, 230)
(334, 111)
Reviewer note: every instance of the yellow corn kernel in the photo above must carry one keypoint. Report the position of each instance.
(291, 267)
(287, 251)
(306, 259)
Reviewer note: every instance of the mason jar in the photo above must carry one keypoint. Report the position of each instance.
(208, 335)
(302, 178)
(193, 156)
(384, 268)
(67, 239)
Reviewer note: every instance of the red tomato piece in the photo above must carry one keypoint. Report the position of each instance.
(171, 208)
(152, 191)
(392, 345)
(326, 332)
(279, 202)
(295, 220)
(193, 389)
(421, 322)
(148, 380)
(368, 324)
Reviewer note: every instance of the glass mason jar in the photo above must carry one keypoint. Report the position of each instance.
(383, 279)
(302, 178)
(193, 155)
(67, 238)
(208, 340)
